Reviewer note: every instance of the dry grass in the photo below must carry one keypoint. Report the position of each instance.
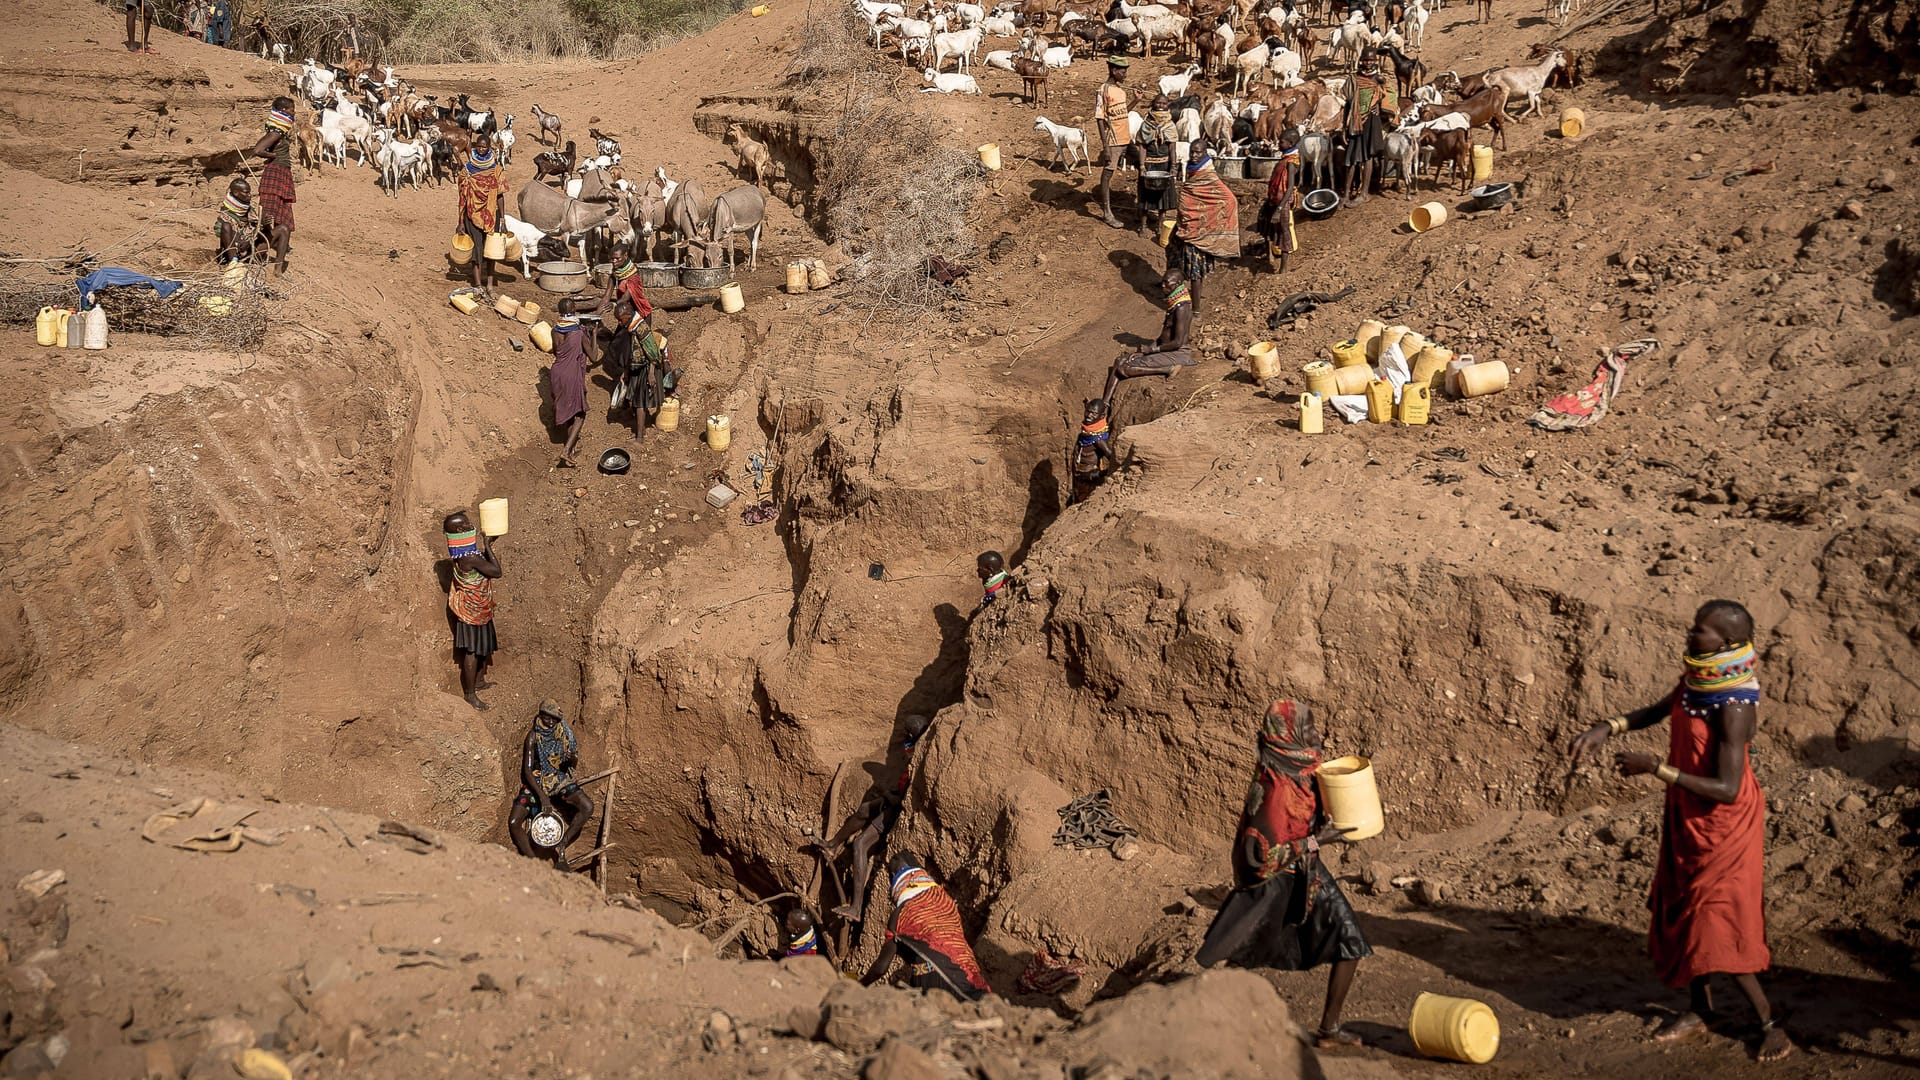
(494, 31)
(140, 310)
(896, 196)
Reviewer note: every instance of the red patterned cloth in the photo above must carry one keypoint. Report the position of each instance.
(928, 924)
(1706, 900)
(1209, 214)
(1588, 404)
(1281, 803)
(471, 597)
(276, 195)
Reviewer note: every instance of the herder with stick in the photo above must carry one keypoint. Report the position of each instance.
(1707, 888)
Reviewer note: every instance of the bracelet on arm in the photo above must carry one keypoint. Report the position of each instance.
(1668, 774)
(1618, 725)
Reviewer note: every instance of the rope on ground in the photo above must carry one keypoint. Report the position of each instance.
(1089, 822)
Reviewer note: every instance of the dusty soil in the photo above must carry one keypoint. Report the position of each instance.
(228, 562)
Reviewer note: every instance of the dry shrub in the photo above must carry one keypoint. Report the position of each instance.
(240, 328)
(494, 31)
(896, 197)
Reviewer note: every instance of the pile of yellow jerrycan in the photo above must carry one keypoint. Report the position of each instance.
(1358, 377)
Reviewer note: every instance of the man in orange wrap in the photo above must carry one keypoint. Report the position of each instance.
(1706, 901)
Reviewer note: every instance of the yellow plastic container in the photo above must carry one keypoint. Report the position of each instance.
(1352, 800)
(1482, 379)
(1313, 413)
(796, 277)
(1352, 380)
(60, 328)
(46, 326)
(1427, 216)
(1573, 123)
(990, 156)
(732, 300)
(1428, 363)
(760, 10)
(1349, 353)
(507, 306)
(234, 275)
(1416, 404)
(462, 250)
(1319, 376)
(542, 335)
(719, 433)
(529, 312)
(465, 302)
(1165, 235)
(1369, 330)
(1482, 164)
(1460, 1029)
(493, 517)
(1263, 359)
(667, 417)
(1411, 343)
(1390, 336)
(817, 276)
(217, 305)
(1379, 401)
(496, 246)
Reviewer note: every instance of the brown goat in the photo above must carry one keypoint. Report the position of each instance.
(1487, 109)
(1033, 79)
(1453, 148)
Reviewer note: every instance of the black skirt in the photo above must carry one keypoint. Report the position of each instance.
(478, 640)
(1272, 925)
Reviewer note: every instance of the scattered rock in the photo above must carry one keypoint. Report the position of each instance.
(1887, 821)
(1429, 893)
(225, 1031)
(1853, 210)
(1126, 848)
(1852, 804)
(720, 1032)
(26, 1060)
(41, 882)
(899, 1060)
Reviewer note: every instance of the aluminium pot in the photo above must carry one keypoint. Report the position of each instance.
(562, 276)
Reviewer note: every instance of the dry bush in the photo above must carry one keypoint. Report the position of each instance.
(493, 31)
(896, 197)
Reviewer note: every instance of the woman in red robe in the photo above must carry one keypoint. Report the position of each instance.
(1706, 901)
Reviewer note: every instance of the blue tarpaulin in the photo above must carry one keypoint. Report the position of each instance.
(109, 276)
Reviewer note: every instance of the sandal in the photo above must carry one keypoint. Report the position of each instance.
(1782, 1046)
(1336, 1037)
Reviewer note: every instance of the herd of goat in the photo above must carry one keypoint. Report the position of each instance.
(579, 199)
(1271, 102)
(575, 199)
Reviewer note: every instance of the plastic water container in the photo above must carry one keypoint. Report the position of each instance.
(46, 326)
(1429, 362)
(732, 300)
(1573, 123)
(1460, 1029)
(1416, 404)
(1369, 330)
(1313, 413)
(496, 246)
(1428, 216)
(493, 517)
(1263, 360)
(1352, 379)
(1379, 401)
(1319, 376)
(1349, 353)
(1165, 234)
(1390, 336)
(1353, 801)
(465, 302)
(515, 249)
(817, 275)
(990, 156)
(719, 433)
(796, 277)
(507, 306)
(63, 338)
(93, 328)
(1482, 379)
(529, 312)
(1482, 164)
(542, 335)
(667, 417)
(462, 250)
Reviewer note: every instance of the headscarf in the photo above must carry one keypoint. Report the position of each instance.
(910, 882)
(1281, 803)
(1160, 126)
(1709, 680)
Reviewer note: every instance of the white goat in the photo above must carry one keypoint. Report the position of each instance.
(1176, 85)
(1059, 56)
(356, 129)
(1000, 58)
(1067, 142)
(970, 14)
(504, 140)
(960, 45)
(1000, 26)
(1170, 28)
(1248, 65)
(1217, 124)
(1283, 68)
(1414, 23)
(949, 83)
(1349, 38)
(401, 162)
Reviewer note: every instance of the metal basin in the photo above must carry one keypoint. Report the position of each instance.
(658, 275)
(562, 276)
(1491, 196)
(704, 277)
(1320, 204)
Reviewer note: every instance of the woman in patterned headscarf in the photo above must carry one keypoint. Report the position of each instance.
(1286, 911)
(926, 925)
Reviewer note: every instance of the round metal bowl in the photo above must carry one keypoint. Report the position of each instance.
(1491, 196)
(601, 272)
(562, 276)
(704, 277)
(1231, 168)
(658, 275)
(547, 829)
(1320, 204)
(1261, 168)
(1156, 176)
(614, 462)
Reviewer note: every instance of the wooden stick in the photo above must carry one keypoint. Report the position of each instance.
(598, 776)
(606, 823)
